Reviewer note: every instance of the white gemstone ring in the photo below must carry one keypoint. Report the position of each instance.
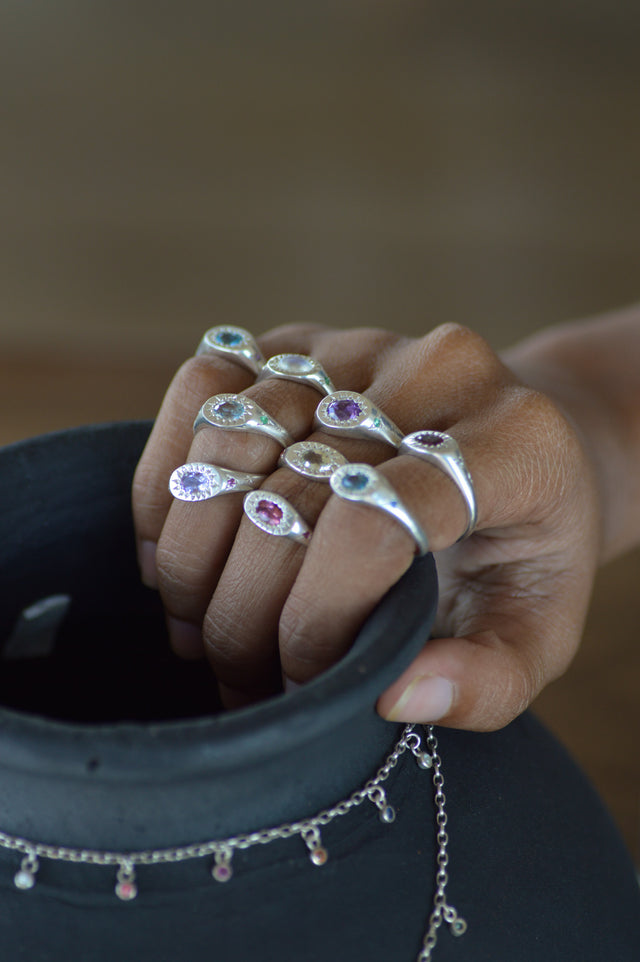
(198, 481)
(443, 452)
(235, 344)
(346, 412)
(274, 515)
(365, 485)
(312, 459)
(235, 412)
(298, 367)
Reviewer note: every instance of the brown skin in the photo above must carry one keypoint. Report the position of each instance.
(513, 596)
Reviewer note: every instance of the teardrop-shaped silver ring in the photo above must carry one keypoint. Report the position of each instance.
(443, 452)
(347, 412)
(235, 412)
(234, 343)
(199, 481)
(298, 367)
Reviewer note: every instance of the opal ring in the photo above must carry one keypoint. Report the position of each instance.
(298, 367)
(235, 344)
(235, 412)
(365, 485)
(443, 452)
(312, 459)
(346, 412)
(198, 481)
(273, 514)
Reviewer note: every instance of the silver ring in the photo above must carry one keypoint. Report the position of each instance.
(198, 481)
(312, 459)
(235, 344)
(443, 452)
(298, 367)
(346, 411)
(273, 514)
(235, 412)
(365, 485)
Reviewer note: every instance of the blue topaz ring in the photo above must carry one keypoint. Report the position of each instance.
(274, 515)
(365, 485)
(235, 344)
(346, 412)
(235, 412)
(198, 481)
(312, 459)
(443, 452)
(298, 367)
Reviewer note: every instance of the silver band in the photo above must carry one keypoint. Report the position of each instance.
(312, 459)
(298, 367)
(365, 485)
(274, 515)
(235, 344)
(199, 481)
(235, 412)
(347, 412)
(443, 452)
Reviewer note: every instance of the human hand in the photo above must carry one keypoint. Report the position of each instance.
(513, 595)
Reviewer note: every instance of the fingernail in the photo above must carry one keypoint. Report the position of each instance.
(425, 699)
(185, 638)
(147, 562)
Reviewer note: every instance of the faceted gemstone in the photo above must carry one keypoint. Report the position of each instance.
(344, 409)
(430, 440)
(355, 482)
(312, 459)
(319, 855)
(231, 410)
(222, 872)
(269, 512)
(230, 483)
(295, 364)
(126, 891)
(228, 338)
(193, 482)
(388, 814)
(24, 880)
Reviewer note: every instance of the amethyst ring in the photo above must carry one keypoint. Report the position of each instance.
(235, 412)
(312, 459)
(365, 485)
(298, 367)
(274, 515)
(233, 343)
(346, 411)
(443, 452)
(198, 481)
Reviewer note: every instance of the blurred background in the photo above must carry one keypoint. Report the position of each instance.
(166, 167)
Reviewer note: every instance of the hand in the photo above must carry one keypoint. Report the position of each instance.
(513, 595)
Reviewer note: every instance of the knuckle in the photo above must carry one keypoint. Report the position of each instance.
(463, 349)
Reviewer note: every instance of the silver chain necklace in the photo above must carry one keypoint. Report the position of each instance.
(309, 830)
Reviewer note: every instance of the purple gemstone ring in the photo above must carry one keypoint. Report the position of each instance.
(312, 459)
(298, 367)
(198, 481)
(443, 452)
(235, 344)
(274, 515)
(235, 412)
(346, 411)
(365, 485)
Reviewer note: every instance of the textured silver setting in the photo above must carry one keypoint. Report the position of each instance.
(199, 481)
(298, 367)
(235, 412)
(274, 515)
(312, 459)
(345, 412)
(234, 343)
(363, 484)
(443, 451)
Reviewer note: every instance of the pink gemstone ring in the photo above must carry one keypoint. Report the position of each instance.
(233, 343)
(274, 515)
(198, 481)
(347, 412)
(298, 367)
(442, 451)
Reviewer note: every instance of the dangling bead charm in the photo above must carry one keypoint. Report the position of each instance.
(126, 888)
(317, 853)
(223, 870)
(25, 877)
(379, 798)
(424, 760)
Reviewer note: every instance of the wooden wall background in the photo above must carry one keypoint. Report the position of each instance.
(169, 166)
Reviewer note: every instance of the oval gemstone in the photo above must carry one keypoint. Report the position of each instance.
(228, 338)
(193, 482)
(231, 410)
(355, 482)
(430, 440)
(294, 364)
(312, 459)
(344, 409)
(269, 512)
